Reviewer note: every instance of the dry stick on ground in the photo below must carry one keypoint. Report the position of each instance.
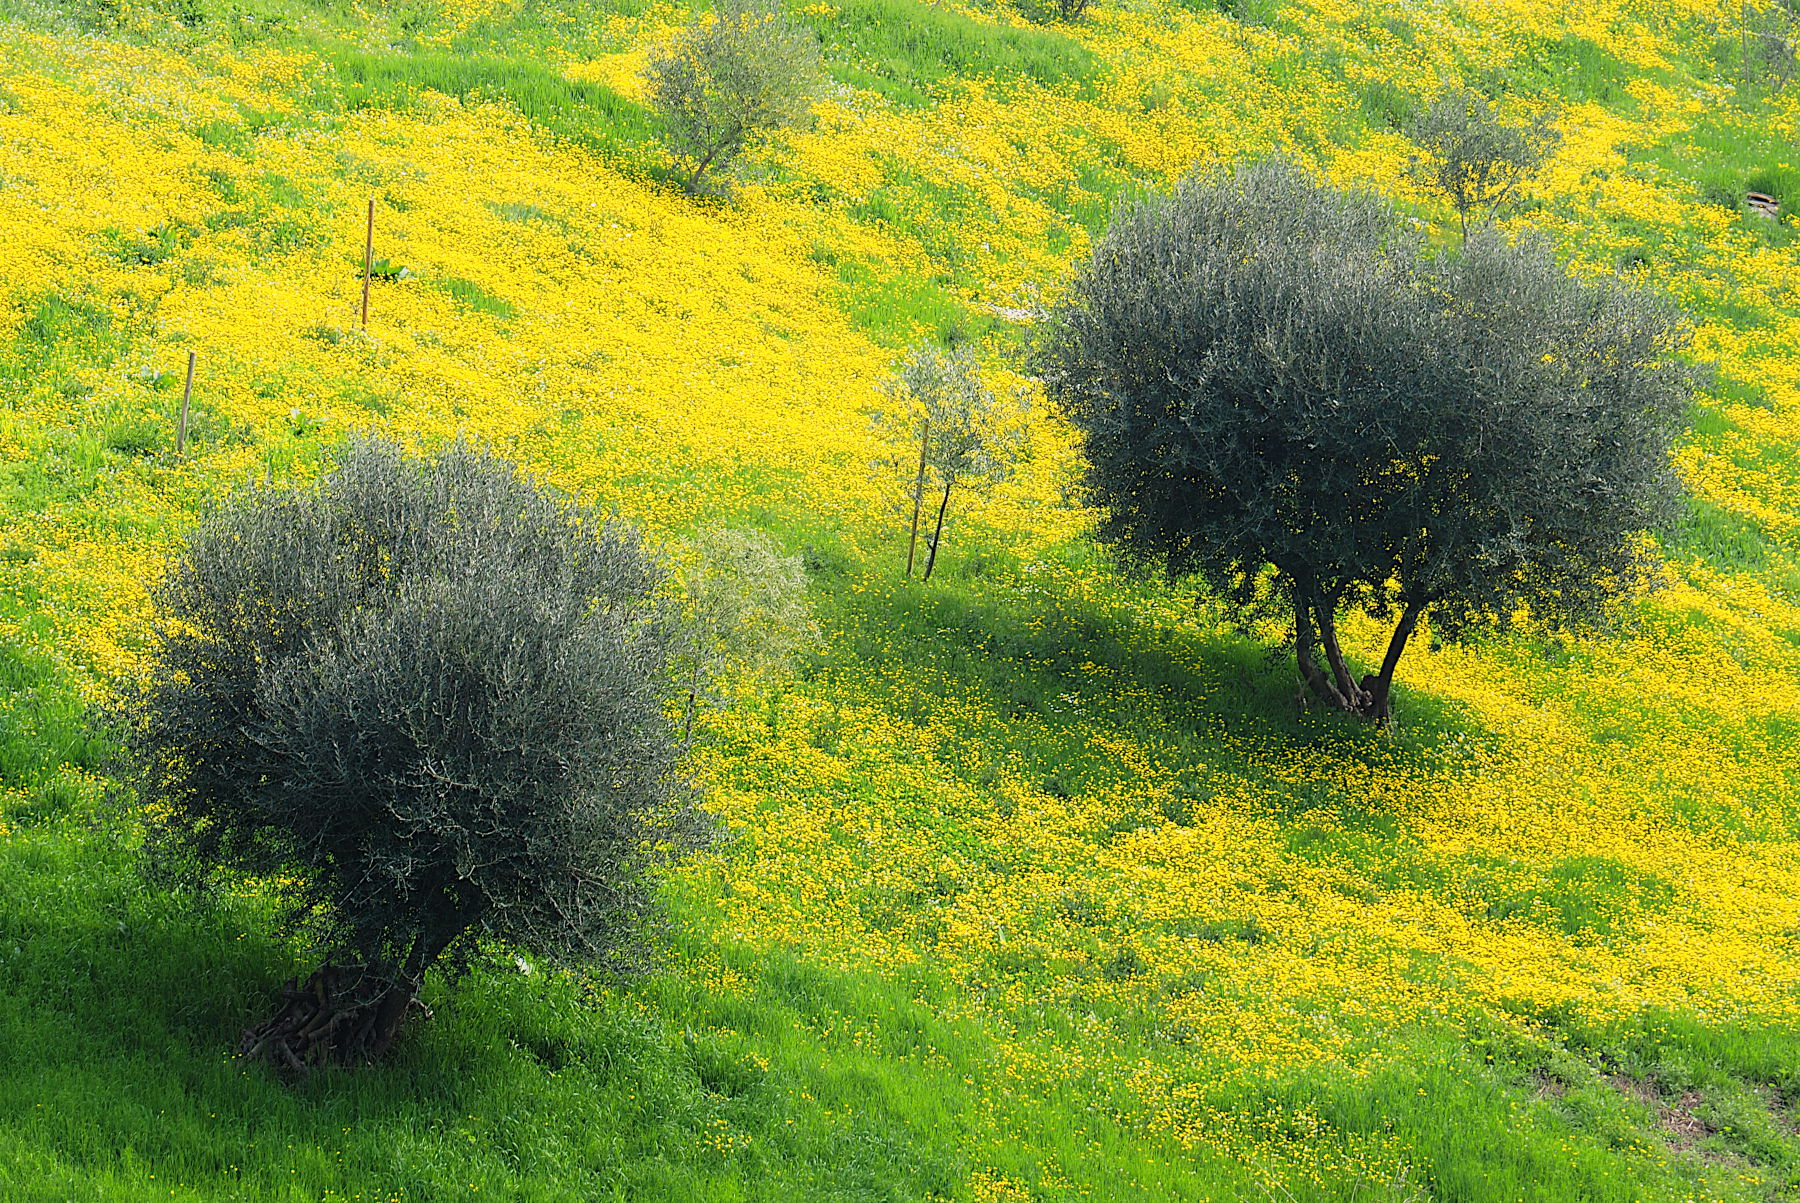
(912, 545)
(368, 262)
(187, 394)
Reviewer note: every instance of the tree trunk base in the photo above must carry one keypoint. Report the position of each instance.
(342, 1015)
(1370, 703)
(1377, 705)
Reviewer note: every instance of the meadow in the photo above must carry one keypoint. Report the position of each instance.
(1037, 884)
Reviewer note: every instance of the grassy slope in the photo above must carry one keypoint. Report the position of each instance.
(1042, 890)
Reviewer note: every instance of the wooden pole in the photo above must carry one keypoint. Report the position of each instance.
(187, 395)
(368, 261)
(918, 496)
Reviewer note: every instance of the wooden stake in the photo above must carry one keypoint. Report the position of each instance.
(368, 261)
(187, 395)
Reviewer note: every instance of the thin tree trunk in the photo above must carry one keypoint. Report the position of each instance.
(1379, 705)
(1314, 676)
(1334, 655)
(728, 140)
(912, 544)
(938, 534)
(187, 396)
(368, 262)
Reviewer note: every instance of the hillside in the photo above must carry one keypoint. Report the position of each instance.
(1037, 886)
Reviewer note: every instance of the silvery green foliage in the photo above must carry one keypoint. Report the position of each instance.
(945, 428)
(976, 437)
(1277, 392)
(723, 85)
(745, 609)
(1474, 158)
(1772, 34)
(427, 698)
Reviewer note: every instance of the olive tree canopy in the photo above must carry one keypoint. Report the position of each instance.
(426, 699)
(723, 84)
(1277, 391)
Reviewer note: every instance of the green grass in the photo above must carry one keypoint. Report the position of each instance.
(473, 296)
(589, 114)
(120, 998)
(907, 49)
(119, 1002)
(1572, 67)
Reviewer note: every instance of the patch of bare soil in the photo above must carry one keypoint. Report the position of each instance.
(1679, 1121)
(1681, 1126)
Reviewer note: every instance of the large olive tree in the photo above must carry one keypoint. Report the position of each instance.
(424, 698)
(1278, 392)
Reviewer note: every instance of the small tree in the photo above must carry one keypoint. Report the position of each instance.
(725, 84)
(425, 699)
(1769, 36)
(1472, 157)
(964, 434)
(744, 602)
(1275, 392)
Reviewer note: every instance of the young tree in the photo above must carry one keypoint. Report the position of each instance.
(964, 434)
(745, 609)
(426, 699)
(725, 84)
(1274, 391)
(1472, 157)
(1769, 36)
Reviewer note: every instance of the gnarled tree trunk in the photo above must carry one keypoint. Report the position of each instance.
(1315, 629)
(341, 1015)
(347, 1014)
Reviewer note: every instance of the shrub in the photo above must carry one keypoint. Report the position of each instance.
(425, 699)
(1472, 157)
(745, 610)
(723, 85)
(1275, 392)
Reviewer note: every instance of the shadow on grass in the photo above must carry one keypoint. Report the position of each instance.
(1039, 670)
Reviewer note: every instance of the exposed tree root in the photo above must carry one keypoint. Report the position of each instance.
(342, 1015)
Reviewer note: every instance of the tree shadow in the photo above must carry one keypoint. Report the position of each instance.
(1041, 670)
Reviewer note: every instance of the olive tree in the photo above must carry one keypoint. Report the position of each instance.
(964, 434)
(724, 84)
(424, 698)
(1472, 157)
(745, 611)
(1277, 392)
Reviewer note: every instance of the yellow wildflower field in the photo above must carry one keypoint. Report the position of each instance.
(1560, 836)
